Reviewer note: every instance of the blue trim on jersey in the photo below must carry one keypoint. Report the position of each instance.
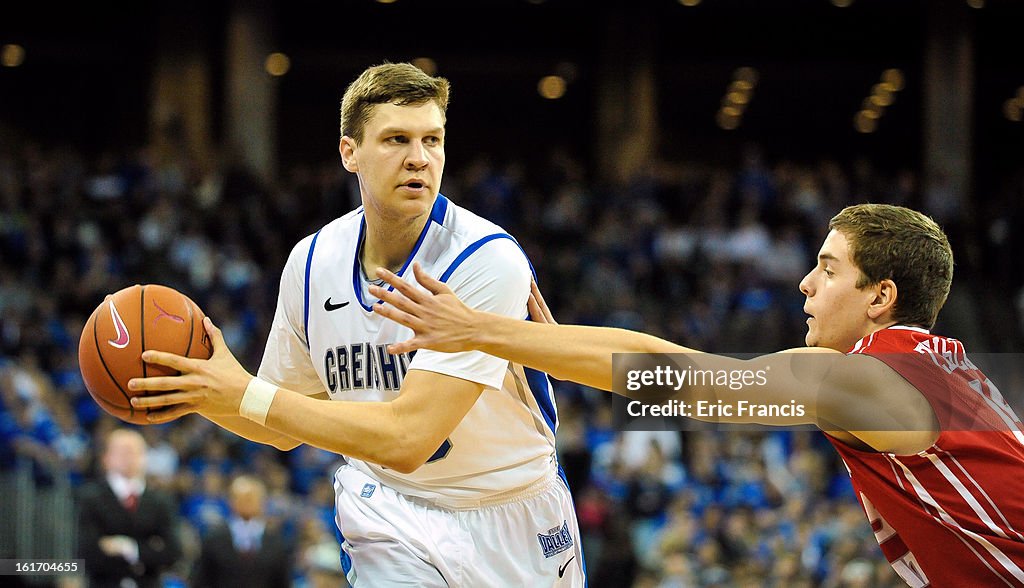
(356, 287)
(436, 215)
(305, 304)
(537, 381)
(477, 245)
(583, 559)
(346, 560)
(528, 262)
(540, 385)
(440, 209)
(471, 250)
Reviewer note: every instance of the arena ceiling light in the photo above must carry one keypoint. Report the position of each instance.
(737, 97)
(1013, 108)
(552, 87)
(12, 55)
(882, 96)
(277, 64)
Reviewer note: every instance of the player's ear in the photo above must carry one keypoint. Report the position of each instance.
(347, 149)
(884, 300)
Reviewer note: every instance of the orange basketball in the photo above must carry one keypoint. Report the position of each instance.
(124, 325)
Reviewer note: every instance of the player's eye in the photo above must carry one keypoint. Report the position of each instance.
(829, 272)
(432, 141)
(396, 139)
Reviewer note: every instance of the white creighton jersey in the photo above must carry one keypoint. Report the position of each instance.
(325, 337)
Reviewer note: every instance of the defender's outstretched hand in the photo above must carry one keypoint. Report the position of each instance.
(212, 386)
(441, 321)
(539, 311)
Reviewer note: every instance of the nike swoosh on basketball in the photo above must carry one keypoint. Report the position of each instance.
(561, 568)
(122, 331)
(165, 314)
(329, 307)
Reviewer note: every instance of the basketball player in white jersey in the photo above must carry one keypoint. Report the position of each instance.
(451, 476)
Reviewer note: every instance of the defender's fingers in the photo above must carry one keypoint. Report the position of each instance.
(400, 317)
(394, 299)
(407, 289)
(427, 281)
(404, 346)
(166, 399)
(535, 290)
(536, 314)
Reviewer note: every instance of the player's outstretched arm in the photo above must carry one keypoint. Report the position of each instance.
(855, 395)
(567, 352)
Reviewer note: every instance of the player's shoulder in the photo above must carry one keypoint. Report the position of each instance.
(340, 229)
(481, 243)
(465, 223)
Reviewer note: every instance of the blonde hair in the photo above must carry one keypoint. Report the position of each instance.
(400, 84)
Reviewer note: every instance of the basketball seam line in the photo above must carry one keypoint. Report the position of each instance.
(142, 327)
(191, 327)
(142, 334)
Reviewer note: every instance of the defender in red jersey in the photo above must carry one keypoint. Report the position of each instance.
(952, 513)
(934, 453)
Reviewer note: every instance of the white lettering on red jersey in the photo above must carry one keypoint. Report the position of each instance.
(952, 515)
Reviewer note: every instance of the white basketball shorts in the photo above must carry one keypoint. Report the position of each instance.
(530, 539)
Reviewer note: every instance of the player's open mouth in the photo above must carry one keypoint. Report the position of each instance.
(415, 185)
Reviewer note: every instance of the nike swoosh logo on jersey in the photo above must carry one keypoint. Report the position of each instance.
(561, 568)
(122, 331)
(329, 307)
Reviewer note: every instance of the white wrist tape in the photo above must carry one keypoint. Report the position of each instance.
(256, 401)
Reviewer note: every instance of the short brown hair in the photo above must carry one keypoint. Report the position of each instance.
(401, 84)
(895, 243)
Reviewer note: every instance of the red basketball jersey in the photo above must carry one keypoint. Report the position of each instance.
(952, 515)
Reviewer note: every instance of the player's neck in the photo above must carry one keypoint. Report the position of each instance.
(870, 329)
(388, 244)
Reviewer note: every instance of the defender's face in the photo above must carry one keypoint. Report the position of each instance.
(837, 309)
(400, 161)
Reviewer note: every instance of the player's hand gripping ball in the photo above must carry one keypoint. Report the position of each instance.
(124, 325)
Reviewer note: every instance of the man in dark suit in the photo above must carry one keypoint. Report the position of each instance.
(246, 550)
(128, 533)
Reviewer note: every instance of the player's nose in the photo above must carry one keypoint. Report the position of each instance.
(417, 156)
(805, 284)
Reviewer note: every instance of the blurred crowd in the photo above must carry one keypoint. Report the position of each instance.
(705, 255)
